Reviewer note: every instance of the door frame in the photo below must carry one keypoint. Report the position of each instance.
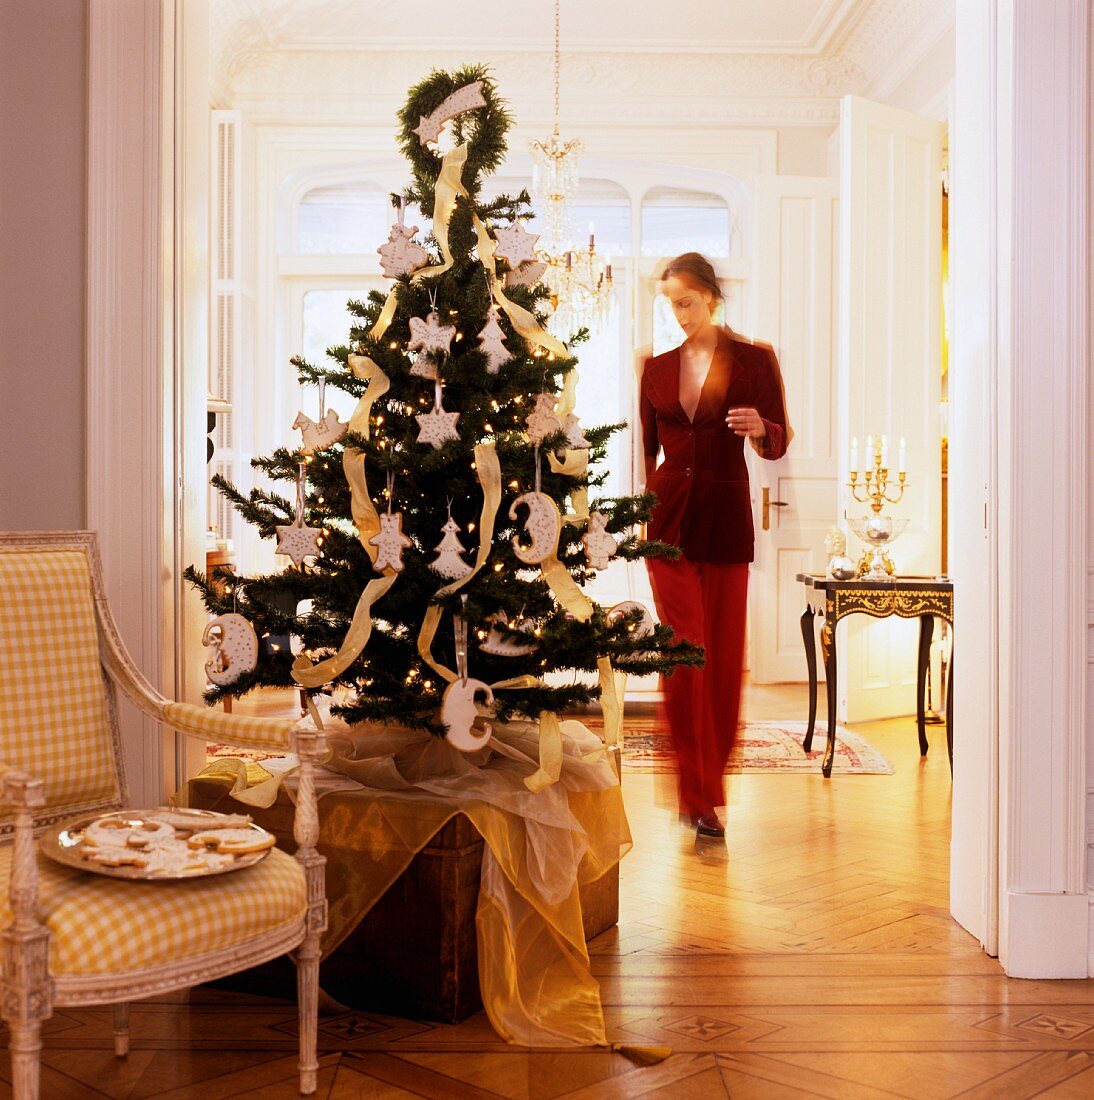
(1025, 783)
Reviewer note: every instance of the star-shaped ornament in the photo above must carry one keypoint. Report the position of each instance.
(298, 541)
(437, 427)
(401, 254)
(542, 420)
(462, 99)
(430, 337)
(515, 244)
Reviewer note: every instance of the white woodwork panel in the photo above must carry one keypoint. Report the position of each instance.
(889, 365)
(795, 263)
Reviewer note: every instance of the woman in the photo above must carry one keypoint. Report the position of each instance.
(699, 403)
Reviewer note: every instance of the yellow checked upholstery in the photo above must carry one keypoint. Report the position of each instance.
(53, 711)
(75, 937)
(101, 925)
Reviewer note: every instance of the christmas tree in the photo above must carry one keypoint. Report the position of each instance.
(464, 442)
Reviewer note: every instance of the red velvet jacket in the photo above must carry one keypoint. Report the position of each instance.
(704, 505)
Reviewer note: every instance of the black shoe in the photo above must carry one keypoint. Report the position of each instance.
(709, 825)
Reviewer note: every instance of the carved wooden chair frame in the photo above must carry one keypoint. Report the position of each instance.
(29, 991)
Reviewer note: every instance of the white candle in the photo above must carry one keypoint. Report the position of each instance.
(902, 455)
(869, 449)
(854, 454)
(884, 453)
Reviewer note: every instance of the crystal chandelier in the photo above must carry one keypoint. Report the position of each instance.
(580, 281)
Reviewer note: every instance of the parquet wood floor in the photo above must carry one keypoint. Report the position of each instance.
(816, 957)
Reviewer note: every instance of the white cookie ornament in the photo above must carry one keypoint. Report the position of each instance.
(390, 542)
(235, 648)
(497, 645)
(528, 274)
(599, 545)
(575, 437)
(298, 541)
(316, 436)
(449, 562)
(542, 421)
(459, 712)
(543, 526)
(401, 254)
(460, 101)
(642, 629)
(437, 426)
(430, 337)
(492, 343)
(515, 244)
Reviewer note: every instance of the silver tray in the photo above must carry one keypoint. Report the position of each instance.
(64, 844)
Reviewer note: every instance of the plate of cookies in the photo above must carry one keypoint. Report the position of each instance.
(164, 843)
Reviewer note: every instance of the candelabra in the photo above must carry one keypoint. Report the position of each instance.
(877, 531)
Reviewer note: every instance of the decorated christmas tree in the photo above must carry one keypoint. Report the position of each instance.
(440, 539)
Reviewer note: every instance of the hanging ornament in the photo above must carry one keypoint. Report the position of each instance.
(430, 337)
(542, 420)
(599, 545)
(528, 274)
(492, 343)
(498, 645)
(543, 524)
(462, 99)
(296, 643)
(449, 562)
(515, 244)
(390, 542)
(575, 437)
(402, 254)
(642, 629)
(329, 429)
(437, 427)
(296, 540)
(235, 648)
(459, 709)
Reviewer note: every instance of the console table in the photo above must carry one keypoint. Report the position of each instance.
(922, 598)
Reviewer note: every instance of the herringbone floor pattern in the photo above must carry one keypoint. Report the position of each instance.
(818, 959)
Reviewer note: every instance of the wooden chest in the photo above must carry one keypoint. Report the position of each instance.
(415, 952)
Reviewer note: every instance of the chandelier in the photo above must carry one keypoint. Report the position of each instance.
(580, 280)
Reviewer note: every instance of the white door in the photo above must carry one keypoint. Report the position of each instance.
(796, 237)
(890, 302)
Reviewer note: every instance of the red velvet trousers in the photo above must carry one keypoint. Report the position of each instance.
(704, 603)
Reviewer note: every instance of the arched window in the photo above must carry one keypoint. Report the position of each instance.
(675, 220)
(342, 218)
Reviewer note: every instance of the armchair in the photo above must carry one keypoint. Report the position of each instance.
(75, 938)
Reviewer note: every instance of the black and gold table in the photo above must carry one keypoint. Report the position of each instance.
(922, 598)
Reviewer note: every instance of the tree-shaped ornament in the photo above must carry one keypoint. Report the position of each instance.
(542, 421)
(515, 244)
(492, 343)
(401, 254)
(449, 562)
(437, 426)
(296, 540)
(318, 435)
(390, 542)
(599, 545)
(575, 437)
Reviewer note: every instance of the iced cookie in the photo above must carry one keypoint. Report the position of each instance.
(236, 842)
(118, 832)
(191, 821)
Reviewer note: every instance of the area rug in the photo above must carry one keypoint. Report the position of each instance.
(763, 746)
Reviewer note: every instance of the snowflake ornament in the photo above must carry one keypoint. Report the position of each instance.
(298, 541)
(401, 254)
(515, 244)
(542, 420)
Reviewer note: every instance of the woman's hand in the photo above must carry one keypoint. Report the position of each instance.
(746, 422)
